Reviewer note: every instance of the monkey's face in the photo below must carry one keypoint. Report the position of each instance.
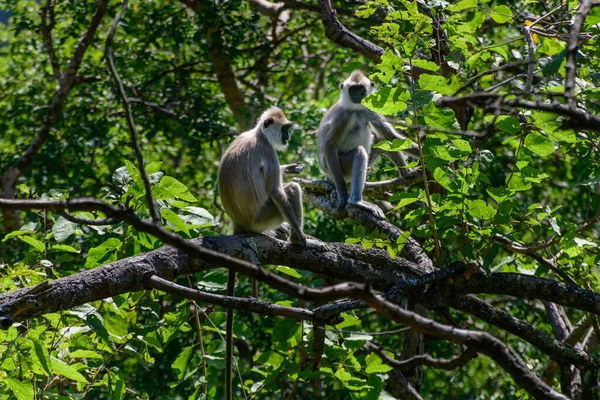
(357, 93)
(277, 133)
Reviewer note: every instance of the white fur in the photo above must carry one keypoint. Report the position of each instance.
(345, 100)
(273, 135)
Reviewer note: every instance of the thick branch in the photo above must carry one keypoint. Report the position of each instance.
(576, 118)
(239, 303)
(339, 34)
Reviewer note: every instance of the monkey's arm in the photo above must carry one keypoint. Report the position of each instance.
(386, 131)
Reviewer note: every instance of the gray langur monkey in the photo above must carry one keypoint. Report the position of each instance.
(345, 140)
(254, 196)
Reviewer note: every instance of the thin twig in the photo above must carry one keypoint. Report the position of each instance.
(129, 115)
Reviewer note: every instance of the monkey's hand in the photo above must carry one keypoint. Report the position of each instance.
(292, 168)
(369, 207)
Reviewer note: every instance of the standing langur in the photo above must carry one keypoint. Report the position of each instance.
(345, 139)
(254, 197)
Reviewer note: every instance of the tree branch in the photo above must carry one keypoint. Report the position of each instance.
(339, 34)
(425, 359)
(486, 344)
(572, 48)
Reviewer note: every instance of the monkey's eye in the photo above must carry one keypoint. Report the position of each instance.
(372, 84)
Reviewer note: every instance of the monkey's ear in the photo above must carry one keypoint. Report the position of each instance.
(372, 84)
(267, 122)
(341, 85)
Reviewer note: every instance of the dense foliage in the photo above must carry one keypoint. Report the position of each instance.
(528, 175)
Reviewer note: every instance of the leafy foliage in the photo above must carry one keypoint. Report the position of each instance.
(528, 177)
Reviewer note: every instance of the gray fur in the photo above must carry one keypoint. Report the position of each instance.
(250, 185)
(346, 136)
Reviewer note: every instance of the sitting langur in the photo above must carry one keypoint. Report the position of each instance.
(253, 195)
(345, 139)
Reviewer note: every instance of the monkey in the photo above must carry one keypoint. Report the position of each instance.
(345, 139)
(254, 197)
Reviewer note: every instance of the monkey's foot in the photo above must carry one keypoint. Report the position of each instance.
(363, 205)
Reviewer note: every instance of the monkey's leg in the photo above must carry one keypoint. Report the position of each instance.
(360, 161)
(293, 191)
(285, 204)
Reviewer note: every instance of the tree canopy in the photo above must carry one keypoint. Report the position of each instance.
(482, 282)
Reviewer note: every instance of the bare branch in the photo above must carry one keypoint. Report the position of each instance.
(339, 34)
(425, 359)
(572, 48)
(48, 13)
(239, 303)
(530, 59)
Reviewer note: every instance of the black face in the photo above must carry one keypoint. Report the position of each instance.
(357, 93)
(285, 134)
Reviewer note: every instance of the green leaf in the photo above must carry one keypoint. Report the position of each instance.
(501, 14)
(175, 220)
(67, 370)
(181, 362)
(443, 178)
(289, 271)
(102, 254)
(517, 182)
(200, 212)
(17, 233)
(33, 242)
(395, 145)
(404, 199)
(462, 5)
(387, 101)
(539, 144)
(480, 209)
(499, 194)
(41, 354)
(153, 167)
(133, 171)
(169, 188)
(63, 247)
(428, 65)
(508, 124)
(21, 390)
(349, 320)
(436, 83)
(342, 374)
(62, 229)
(375, 365)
